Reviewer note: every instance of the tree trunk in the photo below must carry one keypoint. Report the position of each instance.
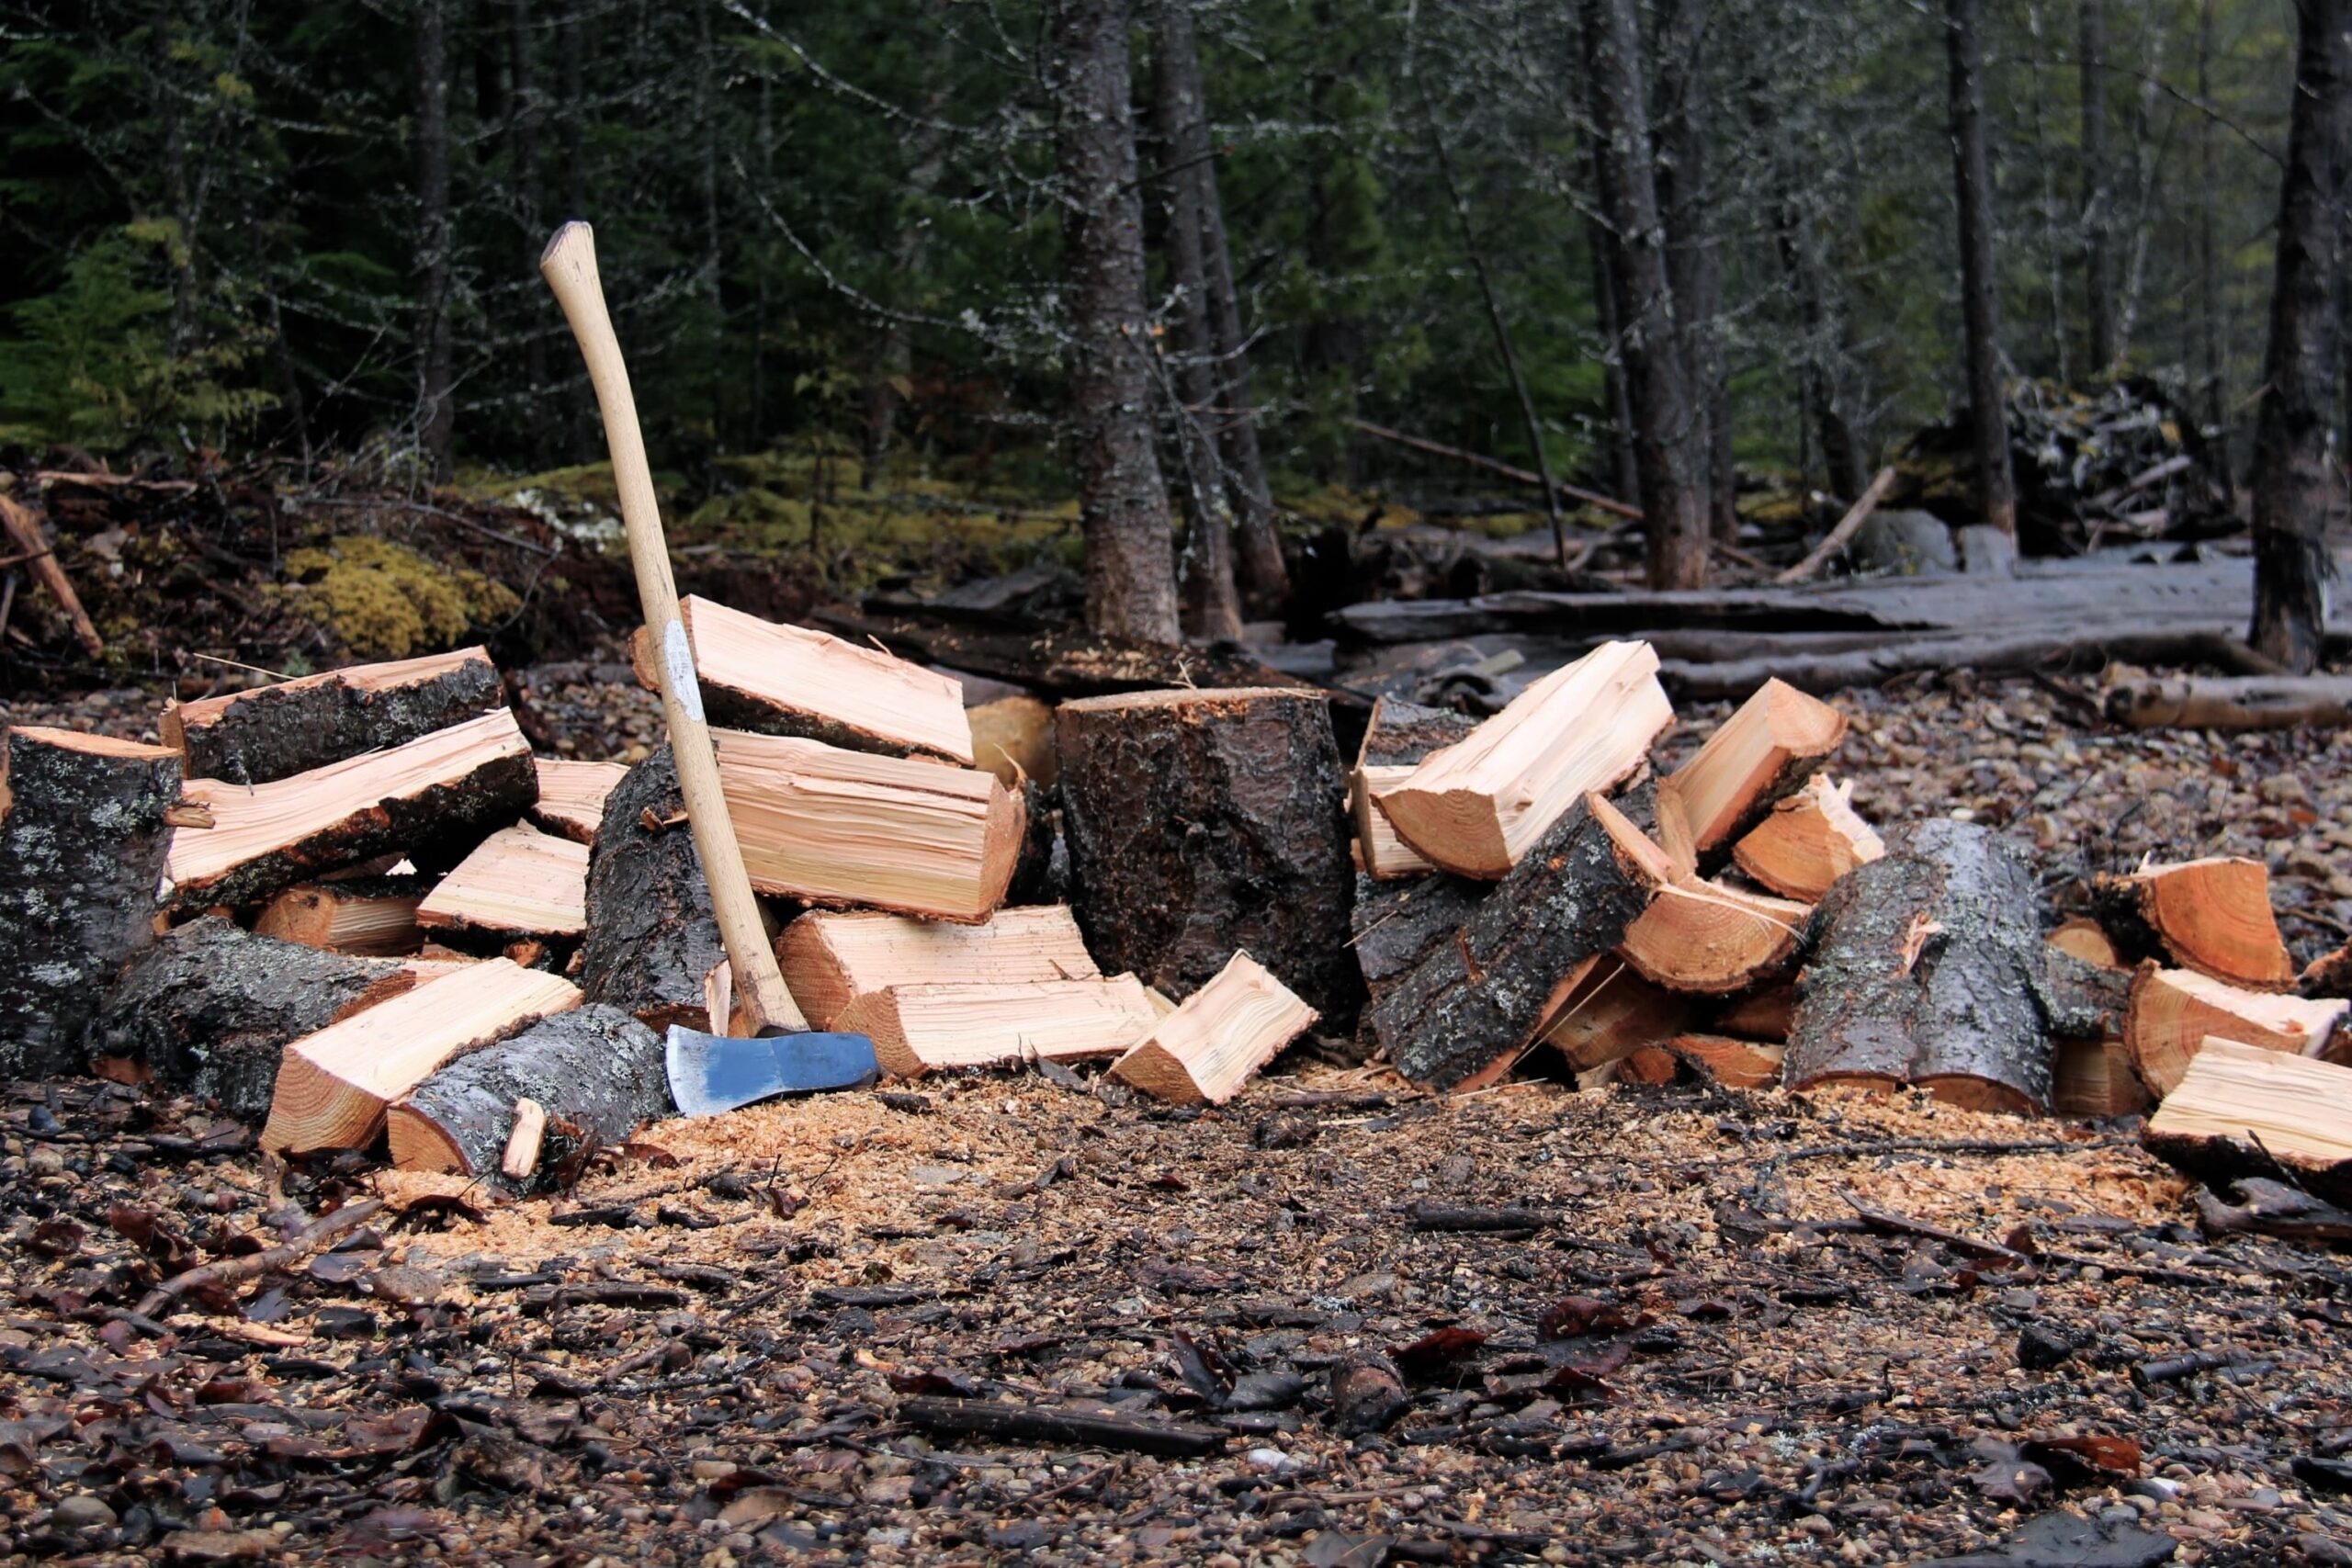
(2098, 277)
(1668, 456)
(522, 160)
(2295, 482)
(1130, 563)
(1609, 321)
(435, 422)
(583, 435)
(1979, 304)
(1693, 266)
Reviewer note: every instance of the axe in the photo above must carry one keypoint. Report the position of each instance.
(709, 1073)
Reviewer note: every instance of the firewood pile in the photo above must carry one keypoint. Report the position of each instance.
(356, 910)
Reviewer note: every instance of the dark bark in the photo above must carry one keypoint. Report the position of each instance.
(83, 841)
(1203, 823)
(1130, 563)
(1610, 320)
(275, 732)
(524, 113)
(1670, 458)
(1979, 282)
(2098, 274)
(2295, 488)
(1402, 733)
(1396, 923)
(2082, 1001)
(436, 420)
(1057, 664)
(1928, 967)
(1694, 267)
(652, 936)
(2213, 369)
(598, 1072)
(211, 1008)
(1059, 1428)
(1041, 876)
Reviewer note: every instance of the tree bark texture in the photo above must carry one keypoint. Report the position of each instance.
(435, 375)
(599, 1073)
(652, 936)
(1668, 456)
(2295, 485)
(210, 1008)
(275, 732)
(1694, 267)
(2099, 273)
(1203, 823)
(1928, 968)
(1979, 282)
(82, 846)
(1130, 562)
(1396, 924)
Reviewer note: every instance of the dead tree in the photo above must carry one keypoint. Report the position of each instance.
(2294, 482)
(1979, 307)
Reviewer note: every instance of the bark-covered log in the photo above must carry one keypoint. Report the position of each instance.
(275, 732)
(1203, 822)
(209, 1008)
(1927, 968)
(83, 841)
(1395, 921)
(2232, 702)
(651, 937)
(1473, 1004)
(597, 1072)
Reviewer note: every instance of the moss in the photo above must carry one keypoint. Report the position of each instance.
(381, 600)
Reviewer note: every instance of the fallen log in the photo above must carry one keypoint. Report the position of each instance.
(1761, 753)
(832, 958)
(335, 1086)
(432, 799)
(1924, 970)
(1218, 1037)
(24, 533)
(375, 916)
(1989, 653)
(1045, 1427)
(2173, 1013)
(1399, 735)
(1201, 823)
(1822, 553)
(1808, 841)
(598, 1072)
(83, 841)
(518, 882)
(1726, 1060)
(2211, 915)
(274, 732)
(651, 940)
(572, 796)
(770, 679)
(1055, 664)
(2250, 701)
(1611, 1013)
(1476, 806)
(917, 1027)
(1712, 938)
(2240, 1110)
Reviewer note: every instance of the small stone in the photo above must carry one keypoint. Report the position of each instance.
(2042, 1346)
(2283, 789)
(45, 1162)
(82, 1512)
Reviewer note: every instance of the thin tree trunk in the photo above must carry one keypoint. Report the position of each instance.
(757, 376)
(2295, 480)
(1608, 320)
(2099, 279)
(714, 259)
(435, 418)
(523, 147)
(1130, 564)
(1979, 309)
(1692, 264)
(2209, 285)
(572, 80)
(1674, 499)
(909, 247)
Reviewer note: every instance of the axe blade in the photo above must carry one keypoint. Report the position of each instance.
(713, 1074)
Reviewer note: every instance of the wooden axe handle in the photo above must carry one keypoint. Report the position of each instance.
(569, 264)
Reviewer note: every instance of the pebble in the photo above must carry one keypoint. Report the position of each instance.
(45, 1162)
(82, 1512)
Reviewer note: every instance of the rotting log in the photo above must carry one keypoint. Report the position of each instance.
(274, 732)
(651, 938)
(1924, 970)
(596, 1072)
(83, 836)
(2236, 703)
(1201, 823)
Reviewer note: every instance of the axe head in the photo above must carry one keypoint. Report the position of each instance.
(713, 1074)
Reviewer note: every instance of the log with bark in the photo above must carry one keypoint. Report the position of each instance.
(832, 958)
(2243, 1110)
(1218, 1037)
(518, 882)
(1054, 663)
(651, 939)
(1611, 1013)
(595, 1072)
(1201, 823)
(572, 796)
(2081, 937)
(1925, 969)
(1399, 735)
(769, 679)
(84, 838)
(1397, 924)
(2234, 703)
(335, 1086)
(2174, 1011)
(2211, 915)
(1713, 938)
(1766, 750)
(274, 732)
(375, 916)
(918, 1028)
(1808, 841)
(431, 799)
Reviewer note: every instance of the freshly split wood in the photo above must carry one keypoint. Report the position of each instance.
(917, 1027)
(2211, 915)
(2095, 1078)
(371, 915)
(2240, 1109)
(518, 882)
(1218, 1037)
(1808, 841)
(274, 732)
(1611, 1012)
(2174, 1011)
(1729, 1061)
(830, 958)
(572, 796)
(1396, 741)
(593, 1071)
(1713, 938)
(1762, 752)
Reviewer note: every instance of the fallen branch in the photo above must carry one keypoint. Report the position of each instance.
(236, 1271)
(25, 533)
(1039, 1424)
(1505, 470)
(2256, 702)
(1835, 540)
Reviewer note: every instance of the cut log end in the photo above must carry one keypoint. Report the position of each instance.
(2173, 1013)
(918, 1029)
(1711, 938)
(1808, 841)
(2214, 915)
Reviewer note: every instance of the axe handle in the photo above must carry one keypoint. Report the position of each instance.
(569, 265)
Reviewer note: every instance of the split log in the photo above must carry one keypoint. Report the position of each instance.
(2174, 1011)
(651, 939)
(1014, 739)
(827, 826)
(375, 916)
(1476, 806)
(1925, 969)
(2087, 940)
(1399, 737)
(2094, 1077)
(2240, 1110)
(274, 732)
(917, 1027)
(1733, 1063)
(2211, 915)
(2237, 702)
(829, 959)
(1473, 1005)
(1762, 752)
(84, 834)
(1201, 823)
(334, 1086)
(1808, 841)
(1611, 1013)
(1395, 926)
(210, 1008)
(769, 679)
(598, 1072)
(1647, 1064)
(518, 882)
(1765, 1013)
(1218, 1037)
(24, 533)
(572, 796)
(1711, 938)
(432, 799)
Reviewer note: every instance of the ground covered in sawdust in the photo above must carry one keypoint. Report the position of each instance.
(1711, 1328)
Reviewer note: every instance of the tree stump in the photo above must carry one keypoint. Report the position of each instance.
(1201, 823)
(651, 937)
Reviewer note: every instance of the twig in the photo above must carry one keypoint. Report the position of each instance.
(233, 1270)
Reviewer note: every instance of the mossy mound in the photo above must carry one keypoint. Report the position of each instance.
(382, 600)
